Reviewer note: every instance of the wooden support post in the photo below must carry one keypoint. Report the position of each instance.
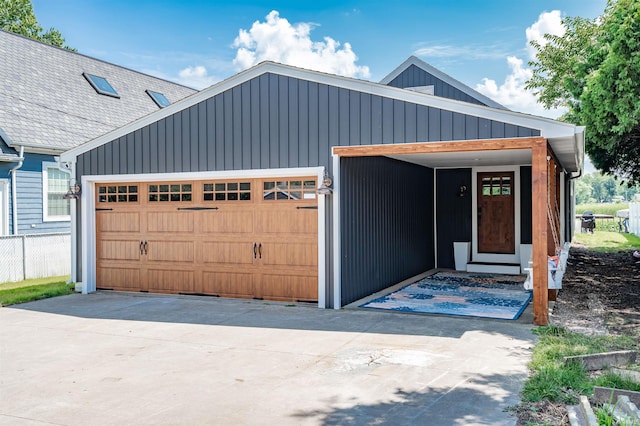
(539, 230)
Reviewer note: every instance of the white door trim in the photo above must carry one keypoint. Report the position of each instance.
(336, 243)
(494, 257)
(88, 211)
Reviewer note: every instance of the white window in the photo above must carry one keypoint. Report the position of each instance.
(55, 183)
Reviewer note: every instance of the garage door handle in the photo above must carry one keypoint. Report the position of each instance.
(145, 247)
(141, 248)
(197, 208)
(255, 254)
(260, 250)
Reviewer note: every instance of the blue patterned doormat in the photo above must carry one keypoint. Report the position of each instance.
(460, 293)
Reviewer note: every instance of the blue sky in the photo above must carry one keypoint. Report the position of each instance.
(198, 42)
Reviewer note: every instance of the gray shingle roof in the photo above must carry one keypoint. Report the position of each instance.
(46, 103)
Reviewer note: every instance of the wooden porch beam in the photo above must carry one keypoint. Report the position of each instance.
(539, 228)
(438, 147)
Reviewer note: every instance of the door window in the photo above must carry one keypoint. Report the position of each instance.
(496, 185)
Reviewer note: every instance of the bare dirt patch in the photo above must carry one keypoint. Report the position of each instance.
(600, 295)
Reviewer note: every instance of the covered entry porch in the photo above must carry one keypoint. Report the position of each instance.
(480, 156)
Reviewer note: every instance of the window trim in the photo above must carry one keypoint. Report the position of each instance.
(155, 96)
(46, 165)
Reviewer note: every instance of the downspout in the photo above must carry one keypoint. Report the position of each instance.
(71, 167)
(74, 228)
(572, 213)
(576, 177)
(14, 192)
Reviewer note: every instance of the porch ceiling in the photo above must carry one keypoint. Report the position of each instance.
(468, 159)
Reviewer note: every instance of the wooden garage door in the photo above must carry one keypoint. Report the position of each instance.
(253, 238)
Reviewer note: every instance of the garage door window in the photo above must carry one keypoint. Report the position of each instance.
(118, 193)
(227, 191)
(170, 192)
(289, 190)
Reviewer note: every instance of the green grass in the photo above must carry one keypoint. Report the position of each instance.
(601, 208)
(33, 281)
(606, 241)
(26, 291)
(553, 380)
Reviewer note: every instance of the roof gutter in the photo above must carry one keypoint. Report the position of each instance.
(9, 158)
(14, 192)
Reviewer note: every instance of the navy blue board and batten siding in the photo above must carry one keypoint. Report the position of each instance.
(413, 76)
(274, 121)
(453, 212)
(526, 205)
(387, 223)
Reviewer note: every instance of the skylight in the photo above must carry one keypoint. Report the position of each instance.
(159, 98)
(101, 85)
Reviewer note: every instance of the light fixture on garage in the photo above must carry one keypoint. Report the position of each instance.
(73, 192)
(325, 187)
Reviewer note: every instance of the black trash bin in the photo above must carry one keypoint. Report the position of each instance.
(588, 222)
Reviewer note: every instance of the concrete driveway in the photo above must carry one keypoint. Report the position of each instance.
(113, 358)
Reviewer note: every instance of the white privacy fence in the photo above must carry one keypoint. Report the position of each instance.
(34, 256)
(634, 218)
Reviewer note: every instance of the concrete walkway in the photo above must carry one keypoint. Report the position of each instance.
(113, 358)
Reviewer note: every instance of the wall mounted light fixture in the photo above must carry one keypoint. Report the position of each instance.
(325, 186)
(73, 192)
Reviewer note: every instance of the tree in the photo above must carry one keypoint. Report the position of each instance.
(583, 192)
(18, 17)
(594, 71)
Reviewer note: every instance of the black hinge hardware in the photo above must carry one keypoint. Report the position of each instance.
(103, 209)
(197, 208)
(307, 207)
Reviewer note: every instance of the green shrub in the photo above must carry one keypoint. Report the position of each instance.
(601, 208)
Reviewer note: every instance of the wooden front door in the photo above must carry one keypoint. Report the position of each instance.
(496, 213)
(251, 238)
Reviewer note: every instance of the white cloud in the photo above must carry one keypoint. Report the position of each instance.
(512, 92)
(468, 52)
(277, 40)
(547, 23)
(196, 77)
